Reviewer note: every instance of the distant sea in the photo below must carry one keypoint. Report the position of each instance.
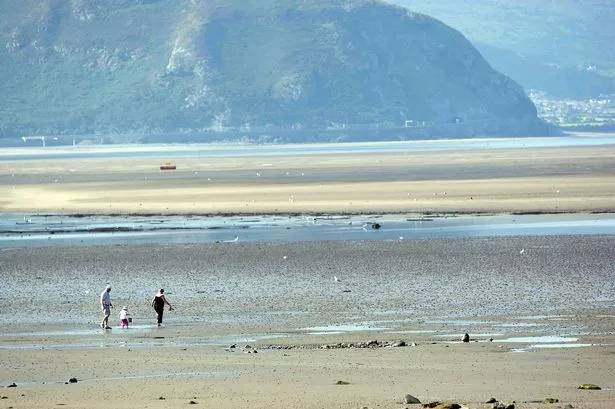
(219, 150)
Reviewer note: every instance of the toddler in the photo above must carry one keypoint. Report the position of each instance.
(124, 320)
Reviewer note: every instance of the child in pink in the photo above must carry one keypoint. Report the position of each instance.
(124, 317)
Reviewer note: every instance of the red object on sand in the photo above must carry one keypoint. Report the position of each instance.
(168, 166)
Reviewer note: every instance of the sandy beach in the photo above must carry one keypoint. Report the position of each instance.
(557, 179)
(321, 324)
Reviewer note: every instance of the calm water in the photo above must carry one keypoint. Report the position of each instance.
(201, 150)
(44, 231)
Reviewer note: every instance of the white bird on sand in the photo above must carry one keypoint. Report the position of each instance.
(236, 239)
(522, 251)
(336, 279)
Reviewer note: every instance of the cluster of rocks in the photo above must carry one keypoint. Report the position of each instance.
(409, 399)
(248, 349)
(368, 344)
(343, 345)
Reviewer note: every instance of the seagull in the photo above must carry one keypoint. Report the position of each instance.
(336, 279)
(522, 251)
(236, 239)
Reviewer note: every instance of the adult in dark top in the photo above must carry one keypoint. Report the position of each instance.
(158, 303)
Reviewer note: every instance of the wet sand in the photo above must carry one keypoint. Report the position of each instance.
(282, 300)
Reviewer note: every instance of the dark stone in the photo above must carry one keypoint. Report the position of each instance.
(72, 380)
(411, 399)
(13, 385)
(448, 406)
(501, 405)
(466, 338)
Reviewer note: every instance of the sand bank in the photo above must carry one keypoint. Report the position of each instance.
(565, 179)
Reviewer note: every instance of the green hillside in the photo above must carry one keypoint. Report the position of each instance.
(161, 66)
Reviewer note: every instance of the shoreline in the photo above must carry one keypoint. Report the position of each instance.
(86, 231)
(400, 213)
(590, 138)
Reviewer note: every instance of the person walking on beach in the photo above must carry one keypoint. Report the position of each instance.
(105, 305)
(158, 303)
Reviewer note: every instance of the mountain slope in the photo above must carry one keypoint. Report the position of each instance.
(565, 47)
(85, 66)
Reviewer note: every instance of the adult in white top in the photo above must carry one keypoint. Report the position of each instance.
(105, 306)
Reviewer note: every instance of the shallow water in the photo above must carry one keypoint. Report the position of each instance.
(539, 339)
(45, 231)
(149, 336)
(203, 150)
